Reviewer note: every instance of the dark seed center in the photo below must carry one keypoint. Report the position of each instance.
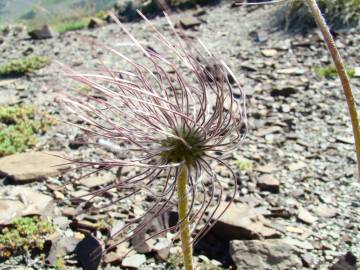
(178, 151)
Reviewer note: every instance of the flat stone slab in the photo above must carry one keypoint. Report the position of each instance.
(97, 180)
(241, 221)
(31, 166)
(18, 201)
(274, 254)
(134, 261)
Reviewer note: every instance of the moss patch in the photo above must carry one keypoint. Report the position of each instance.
(331, 72)
(24, 235)
(71, 25)
(24, 65)
(19, 126)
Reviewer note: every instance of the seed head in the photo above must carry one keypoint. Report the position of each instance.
(171, 109)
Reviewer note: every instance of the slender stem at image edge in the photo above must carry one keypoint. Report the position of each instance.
(184, 225)
(340, 67)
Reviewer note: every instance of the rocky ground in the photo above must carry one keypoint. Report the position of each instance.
(298, 203)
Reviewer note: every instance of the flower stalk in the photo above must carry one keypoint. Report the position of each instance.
(340, 67)
(185, 235)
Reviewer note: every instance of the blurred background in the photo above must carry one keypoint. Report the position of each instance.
(47, 11)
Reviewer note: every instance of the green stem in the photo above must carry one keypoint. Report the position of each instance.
(340, 67)
(184, 226)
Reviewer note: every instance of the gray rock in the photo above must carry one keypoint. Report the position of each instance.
(291, 71)
(17, 201)
(189, 22)
(134, 261)
(309, 260)
(325, 211)
(61, 247)
(275, 254)
(357, 72)
(162, 249)
(116, 227)
(141, 245)
(42, 33)
(302, 244)
(269, 130)
(95, 22)
(346, 262)
(269, 52)
(296, 166)
(268, 168)
(8, 99)
(346, 140)
(305, 216)
(3, 83)
(31, 166)
(284, 91)
(119, 254)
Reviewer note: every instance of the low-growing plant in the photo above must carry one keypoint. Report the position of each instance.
(102, 14)
(331, 72)
(175, 261)
(244, 164)
(71, 25)
(23, 235)
(19, 126)
(24, 65)
(59, 264)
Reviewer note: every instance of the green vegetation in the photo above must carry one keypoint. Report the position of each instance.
(338, 13)
(19, 126)
(24, 235)
(22, 66)
(59, 264)
(330, 72)
(102, 14)
(175, 261)
(71, 25)
(244, 164)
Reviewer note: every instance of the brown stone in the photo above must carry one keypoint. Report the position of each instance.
(96, 180)
(189, 22)
(241, 221)
(31, 166)
(267, 182)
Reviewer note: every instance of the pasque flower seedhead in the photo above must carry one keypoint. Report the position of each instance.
(176, 110)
